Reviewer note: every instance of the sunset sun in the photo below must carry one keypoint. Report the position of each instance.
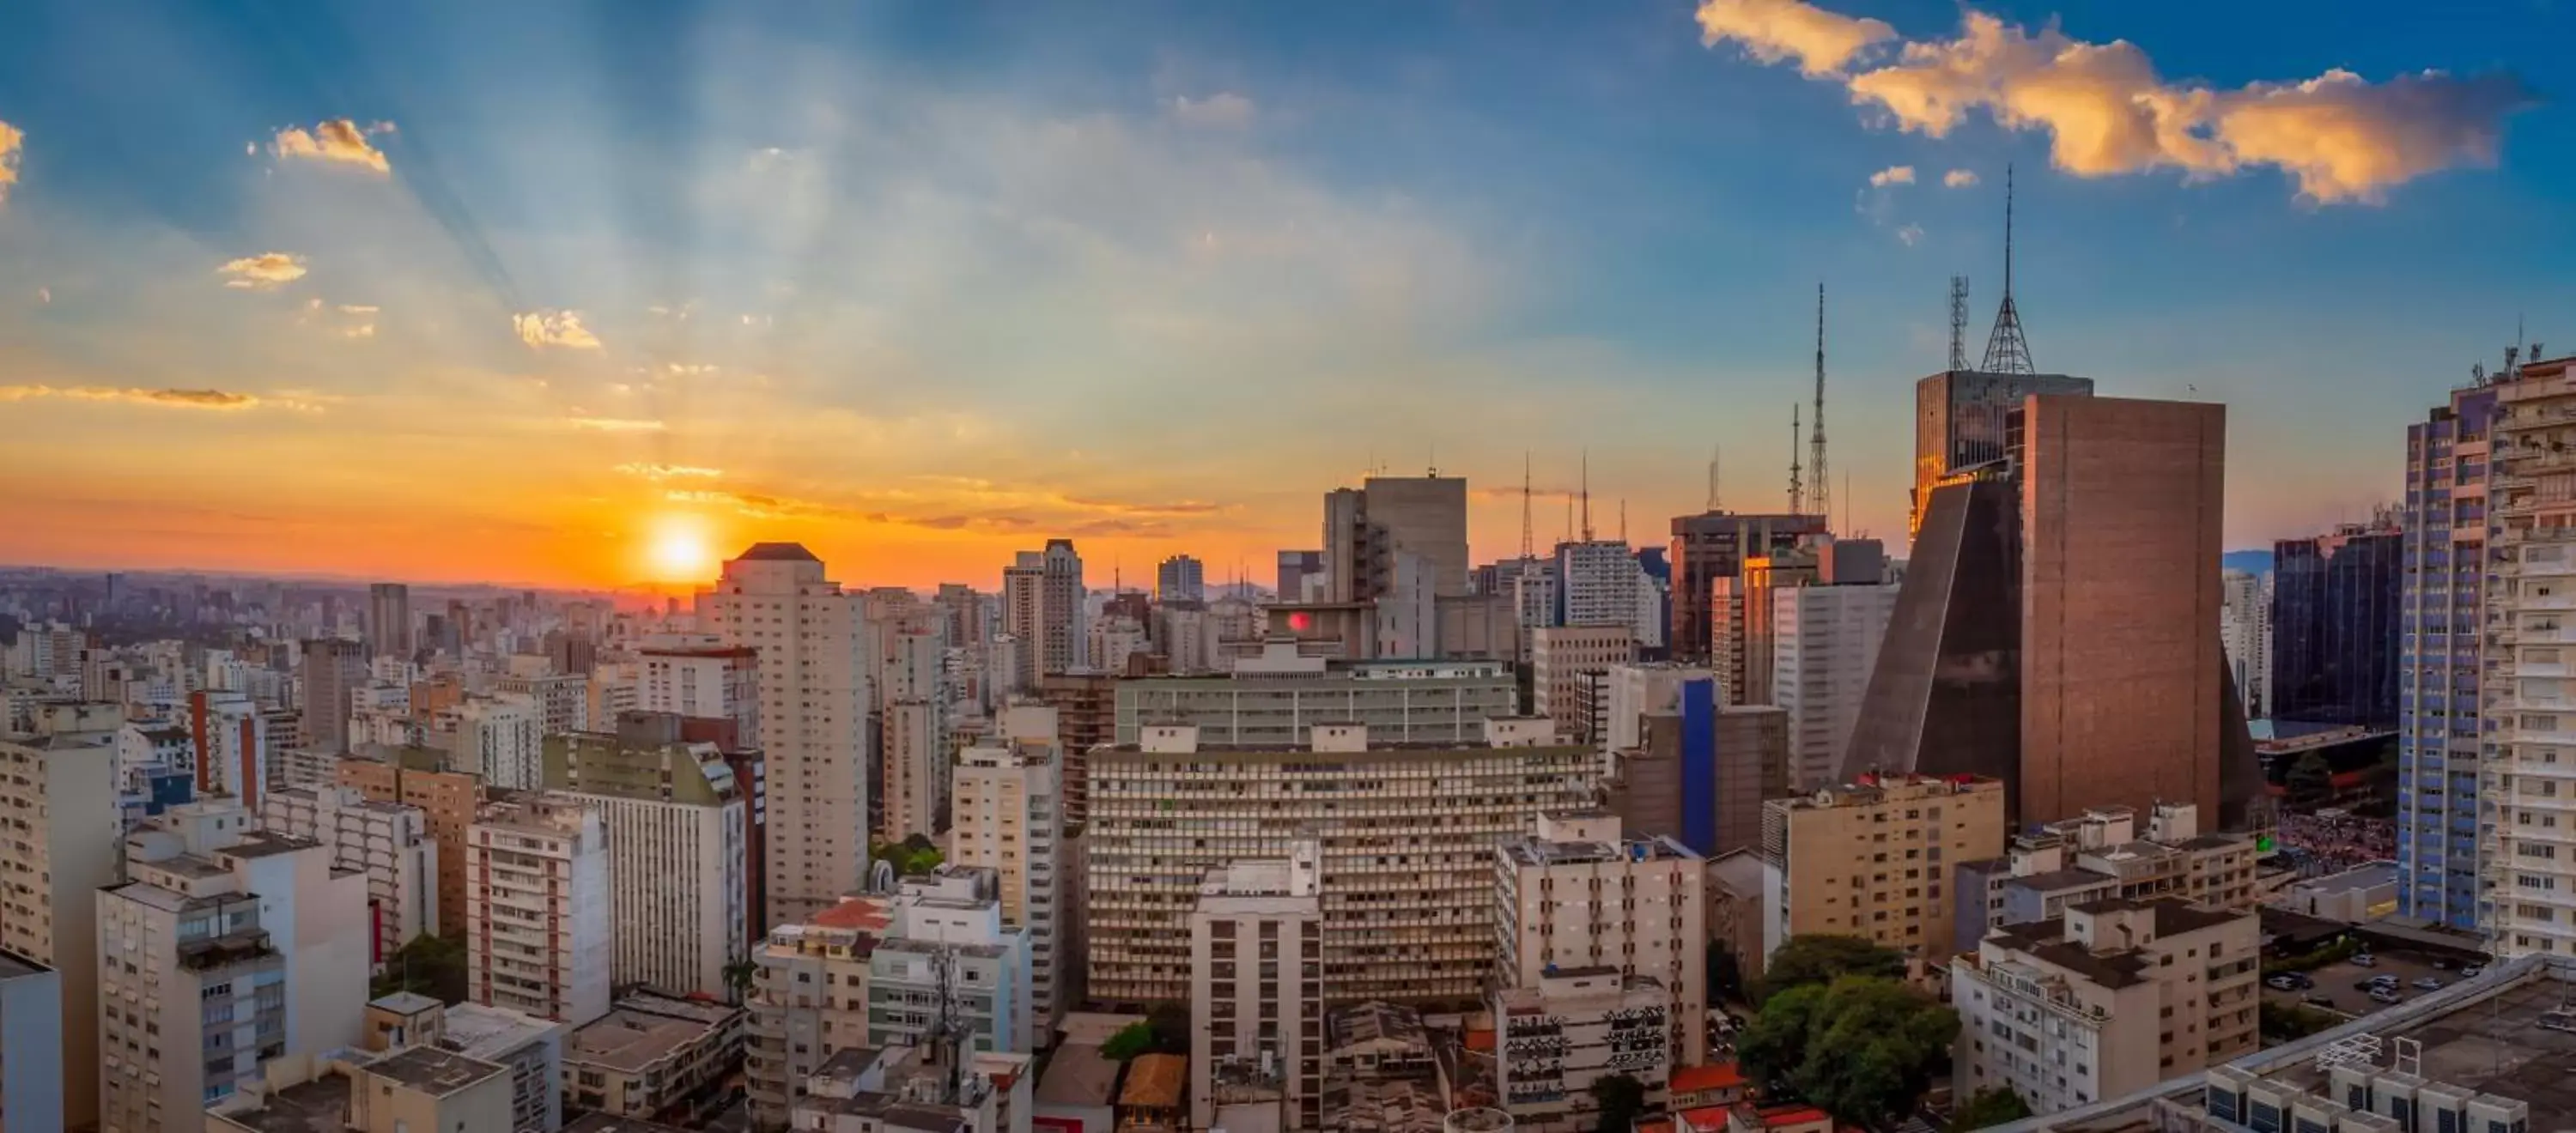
(677, 550)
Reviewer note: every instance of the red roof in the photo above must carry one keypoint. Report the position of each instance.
(1778, 1116)
(1715, 1076)
(1480, 1040)
(855, 912)
(1707, 1117)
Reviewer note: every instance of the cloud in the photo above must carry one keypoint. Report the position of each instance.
(1959, 178)
(2106, 112)
(1775, 31)
(266, 271)
(347, 320)
(542, 329)
(13, 144)
(615, 424)
(1910, 235)
(1224, 109)
(166, 398)
(659, 472)
(339, 140)
(1892, 175)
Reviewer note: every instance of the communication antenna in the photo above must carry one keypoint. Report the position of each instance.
(1797, 490)
(2007, 352)
(1958, 323)
(1712, 478)
(1824, 481)
(1587, 495)
(1623, 519)
(1528, 551)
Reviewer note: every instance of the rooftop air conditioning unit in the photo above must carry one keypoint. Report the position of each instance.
(2350, 1086)
(2392, 1095)
(2491, 1114)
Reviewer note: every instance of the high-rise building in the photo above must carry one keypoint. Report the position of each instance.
(1080, 710)
(1824, 645)
(562, 699)
(1715, 545)
(1701, 770)
(333, 671)
(1009, 818)
(389, 620)
(1062, 640)
(2527, 793)
(1180, 578)
(1554, 910)
(1961, 422)
(231, 738)
(501, 738)
(2441, 646)
(1295, 569)
(2335, 627)
(1557, 1036)
(31, 1045)
(539, 918)
(1596, 583)
(699, 676)
(809, 999)
(1560, 656)
(1274, 698)
(1023, 630)
(914, 772)
(415, 777)
(1416, 927)
(388, 841)
(59, 806)
(816, 662)
(2245, 630)
(1367, 527)
(1874, 860)
(679, 850)
(1256, 959)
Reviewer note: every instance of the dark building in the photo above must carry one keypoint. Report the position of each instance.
(1959, 421)
(2336, 606)
(1714, 545)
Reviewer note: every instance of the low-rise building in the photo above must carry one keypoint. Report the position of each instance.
(907, 1089)
(529, 1047)
(2098, 854)
(809, 998)
(416, 1088)
(655, 1056)
(1576, 894)
(1574, 1027)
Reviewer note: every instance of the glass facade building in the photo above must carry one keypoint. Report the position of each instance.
(2335, 627)
(2440, 622)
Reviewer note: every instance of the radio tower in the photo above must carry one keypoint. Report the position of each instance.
(1529, 550)
(1587, 495)
(1712, 478)
(1823, 493)
(1958, 323)
(2006, 351)
(1797, 492)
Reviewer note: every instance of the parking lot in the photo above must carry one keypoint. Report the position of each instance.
(2335, 982)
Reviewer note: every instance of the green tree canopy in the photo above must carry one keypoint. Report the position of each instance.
(1994, 1105)
(1816, 958)
(1862, 1047)
(1131, 1040)
(1621, 1100)
(915, 854)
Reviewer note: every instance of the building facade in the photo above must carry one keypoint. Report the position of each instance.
(31, 1045)
(809, 998)
(1576, 894)
(448, 798)
(1825, 643)
(2526, 800)
(1009, 818)
(537, 910)
(58, 800)
(1557, 1036)
(1273, 699)
(2245, 630)
(1256, 970)
(677, 825)
(1714, 545)
(2441, 646)
(2334, 627)
(389, 842)
(1874, 860)
(1560, 656)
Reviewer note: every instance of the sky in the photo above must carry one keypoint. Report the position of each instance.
(591, 293)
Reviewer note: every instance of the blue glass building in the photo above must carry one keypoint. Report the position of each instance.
(2335, 606)
(2440, 620)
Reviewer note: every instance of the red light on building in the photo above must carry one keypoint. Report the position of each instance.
(1301, 622)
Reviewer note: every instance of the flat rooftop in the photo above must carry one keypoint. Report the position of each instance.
(2495, 1046)
(2370, 876)
(1077, 1075)
(493, 1033)
(434, 1071)
(628, 1039)
(611, 1123)
(13, 966)
(318, 1106)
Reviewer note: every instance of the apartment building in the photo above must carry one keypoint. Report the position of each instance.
(1009, 818)
(698, 675)
(416, 777)
(1874, 859)
(915, 766)
(2100, 854)
(31, 1045)
(816, 664)
(809, 998)
(562, 699)
(2114, 997)
(1824, 645)
(59, 832)
(678, 845)
(654, 1057)
(1408, 836)
(2526, 791)
(1576, 893)
(1560, 656)
(538, 921)
(1256, 974)
(501, 738)
(1272, 699)
(945, 938)
(529, 1047)
(419, 1087)
(1572, 1027)
(389, 842)
(2441, 645)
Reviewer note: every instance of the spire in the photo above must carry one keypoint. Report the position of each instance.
(1528, 551)
(1797, 491)
(1958, 323)
(1823, 491)
(2006, 351)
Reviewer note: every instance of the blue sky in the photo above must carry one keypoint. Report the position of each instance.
(922, 282)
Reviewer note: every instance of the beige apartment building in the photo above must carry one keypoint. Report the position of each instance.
(1008, 817)
(653, 1056)
(1570, 1029)
(58, 848)
(809, 998)
(1408, 836)
(1559, 658)
(1256, 975)
(537, 912)
(2114, 997)
(1874, 859)
(1576, 893)
(389, 842)
(2527, 844)
(414, 777)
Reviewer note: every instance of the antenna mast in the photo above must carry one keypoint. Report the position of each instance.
(1958, 323)
(1528, 551)
(1712, 478)
(1587, 495)
(2006, 351)
(1797, 490)
(1823, 491)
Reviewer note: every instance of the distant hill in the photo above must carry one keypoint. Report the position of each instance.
(2251, 562)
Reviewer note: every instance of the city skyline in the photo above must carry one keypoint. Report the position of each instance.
(450, 295)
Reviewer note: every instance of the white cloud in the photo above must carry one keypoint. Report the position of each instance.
(266, 271)
(1959, 178)
(544, 329)
(1892, 175)
(1222, 109)
(615, 424)
(338, 141)
(13, 145)
(1910, 235)
(1774, 31)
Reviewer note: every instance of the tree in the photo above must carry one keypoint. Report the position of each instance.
(738, 976)
(1621, 1099)
(913, 855)
(1131, 1040)
(1774, 1045)
(1993, 1105)
(2310, 780)
(1861, 1047)
(428, 965)
(1816, 958)
(1163, 1030)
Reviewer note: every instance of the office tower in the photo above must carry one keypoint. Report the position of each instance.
(389, 620)
(1824, 645)
(539, 918)
(1554, 909)
(2111, 999)
(58, 801)
(816, 658)
(1748, 765)
(2526, 798)
(1559, 658)
(1256, 959)
(1634, 693)
(1023, 618)
(562, 699)
(1180, 578)
(696, 675)
(1558, 1035)
(1082, 710)
(31, 1045)
(679, 850)
(1715, 545)
(655, 1057)
(1167, 810)
(1060, 634)
(944, 936)
(1596, 583)
(2245, 631)
(1274, 698)
(414, 777)
(2101, 854)
(1368, 527)
(1009, 818)
(2058, 626)
(225, 949)
(1960, 424)
(231, 739)
(389, 842)
(333, 671)
(501, 738)
(1740, 613)
(2440, 653)
(2335, 627)
(810, 997)
(1874, 860)
(1299, 572)
(916, 764)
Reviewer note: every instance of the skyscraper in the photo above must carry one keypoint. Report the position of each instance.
(1959, 423)
(2245, 630)
(815, 665)
(1180, 578)
(389, 620)
(2334, 627)
(1023, 605)
(334, 669)
(1714, 545)
(1365, 528)
(2527, 792)
(2440, 652)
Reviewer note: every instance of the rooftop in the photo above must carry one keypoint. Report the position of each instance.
(12, 966)
(317, 1106)
(637, 1033)
(404, 1003)
(493, 1033)
(2059, 880)
(1077, 1075)
(611, 1123)
(434, 1071)
(1715, 1076)
(1154, 1080)
(1532, 851)
(778, 553)
(2371, 876)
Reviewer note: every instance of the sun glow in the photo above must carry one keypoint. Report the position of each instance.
(677, 550)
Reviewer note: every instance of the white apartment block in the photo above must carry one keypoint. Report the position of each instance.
(1113, 639)
(387, 841)
(2527, 784)
(652, 1055)
(1570, 1028)
(678, 831)
(225, 949)
(1008, 817)
(562, 699)
(1408, 839)
(1575, 894)
(817, 659)
(59, 837)
(2245, 630)
(31, 1045)
(1635, 691)
(1560, 655)
(1276, 697)
(699, 675)
(47, 650)
(809, 998)
(231, 738)
(503, 739)
(537, 909)
(531, 1047)
(916, 763)
(946, 927)
(2115, 997)
(1597, 584)
(1824, 646)
(1256, 982)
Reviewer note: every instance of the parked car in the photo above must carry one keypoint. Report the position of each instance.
(2385, 995)
(2281, 983)
(2364, 960)
(2471, 971)
(2441, 965)
(2428, 983)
